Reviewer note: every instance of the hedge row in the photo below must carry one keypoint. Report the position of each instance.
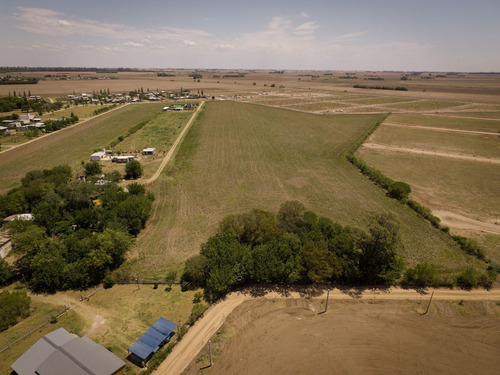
(471, 247)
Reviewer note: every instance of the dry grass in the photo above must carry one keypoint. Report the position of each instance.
(114, 318)
(238, 157)
(449, 121)
(479, 145)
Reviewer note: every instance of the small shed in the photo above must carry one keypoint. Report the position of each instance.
(149, 151)
(152, 340)
(97, 156)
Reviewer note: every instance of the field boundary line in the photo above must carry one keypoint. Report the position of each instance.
(433, 128)
(61, 130)
(376, 146)
(172, 150)
(198, 335)
(65, 310)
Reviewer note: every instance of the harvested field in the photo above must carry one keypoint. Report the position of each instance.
(71, 145)
(467, 144)
(356, 337)
(238, 157)
(425, 105)
(448, 121)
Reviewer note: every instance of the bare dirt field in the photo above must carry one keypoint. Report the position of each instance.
(356, 337)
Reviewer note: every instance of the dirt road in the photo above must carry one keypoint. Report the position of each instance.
(377, 146)
(195, 339)
(172, 150)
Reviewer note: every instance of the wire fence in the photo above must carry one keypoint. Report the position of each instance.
(49, 319)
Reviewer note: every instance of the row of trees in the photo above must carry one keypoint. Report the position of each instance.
(80, 230)
(294, 246)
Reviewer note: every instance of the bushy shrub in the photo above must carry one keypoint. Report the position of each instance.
(108, 282)
(399, 190)
(424, 274)
(468, 278)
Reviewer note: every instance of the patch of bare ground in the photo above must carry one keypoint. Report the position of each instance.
(457, 221)
(433, 153)
(376, 332)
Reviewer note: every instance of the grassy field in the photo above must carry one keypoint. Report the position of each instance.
(160, 132)
(238, 157)
(114, 318)
(71, 145)
(82, 111)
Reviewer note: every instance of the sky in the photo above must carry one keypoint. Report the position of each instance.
(397, 35)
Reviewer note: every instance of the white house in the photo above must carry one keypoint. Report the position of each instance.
(97, 156)
(149, 151)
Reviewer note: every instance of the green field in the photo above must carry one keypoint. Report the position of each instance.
(71, 145)
(239, 156)
(478, 145)
(322, 106)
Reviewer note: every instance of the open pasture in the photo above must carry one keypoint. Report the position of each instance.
(71, 145)
(238, 157)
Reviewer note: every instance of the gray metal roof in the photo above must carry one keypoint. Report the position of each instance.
(59, 352)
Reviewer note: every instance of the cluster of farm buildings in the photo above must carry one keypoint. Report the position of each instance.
(61, 352)
(26, 121)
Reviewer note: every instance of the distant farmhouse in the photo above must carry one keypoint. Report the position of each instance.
(60, 352)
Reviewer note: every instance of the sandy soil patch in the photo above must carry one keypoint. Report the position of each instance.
(454, 220)
(357, 337)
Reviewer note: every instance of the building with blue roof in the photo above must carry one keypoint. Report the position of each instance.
(152, 340)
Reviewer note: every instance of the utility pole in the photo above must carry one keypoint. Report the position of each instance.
(429, 304)
(210, 351)
(327, 298)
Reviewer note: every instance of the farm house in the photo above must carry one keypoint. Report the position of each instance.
(149, 151)
(60, 352)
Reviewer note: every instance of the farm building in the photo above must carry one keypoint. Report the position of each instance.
(122, 159)
(60, 352)
(149, 151)
(152, 340)
(166, 108)
(97, 156)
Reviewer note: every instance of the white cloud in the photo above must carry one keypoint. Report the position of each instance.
(190, 43)
(306, 28)
(133, 44)
(303, 14)
(349, 37)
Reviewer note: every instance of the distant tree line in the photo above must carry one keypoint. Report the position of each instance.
(295, 246)
(80, 230)
(7, 80)
(397, 88)
(20, 102)
(7, 69)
